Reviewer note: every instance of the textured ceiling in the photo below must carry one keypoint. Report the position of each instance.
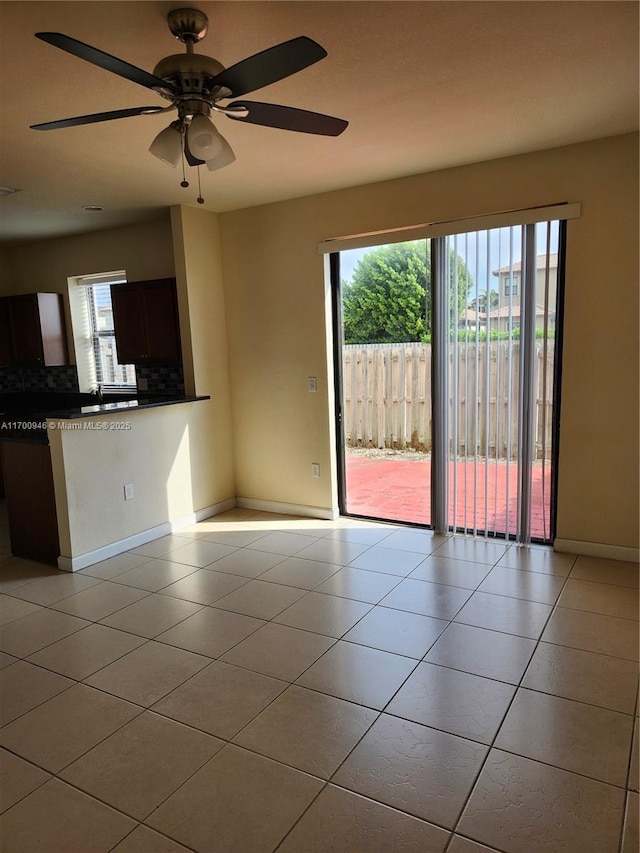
(424, 85)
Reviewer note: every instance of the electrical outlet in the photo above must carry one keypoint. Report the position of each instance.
(51, 381)
(315, 469)
(313, 383)
(128, 491)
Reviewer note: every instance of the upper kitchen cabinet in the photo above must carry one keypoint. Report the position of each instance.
(145, 319)
(32, 330)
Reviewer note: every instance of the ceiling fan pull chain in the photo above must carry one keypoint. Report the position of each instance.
(200, 200)
(184, 182)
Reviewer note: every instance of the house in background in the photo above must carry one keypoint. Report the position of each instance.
(504, 310)
(472, 320)
(507, 312)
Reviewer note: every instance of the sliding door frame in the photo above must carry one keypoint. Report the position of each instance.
(440, 359)
(439, 386)
(557, 376)
(338, 337)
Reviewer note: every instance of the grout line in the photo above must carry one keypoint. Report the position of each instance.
(39, 785)
(489, 847)
(293, 683)
(499, 727)
(151, 829)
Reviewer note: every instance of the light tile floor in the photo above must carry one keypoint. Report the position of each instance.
(262, 683)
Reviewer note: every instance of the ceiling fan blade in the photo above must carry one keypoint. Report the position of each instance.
(104, 60)
(289, 118)
(270, 65)
(90, 119)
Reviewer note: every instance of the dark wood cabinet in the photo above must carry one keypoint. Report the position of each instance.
(32, 330)
(126, 302)
(145, 319)
(31, 503)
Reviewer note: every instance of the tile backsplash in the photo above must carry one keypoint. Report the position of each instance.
(161, 378)
(64, 378)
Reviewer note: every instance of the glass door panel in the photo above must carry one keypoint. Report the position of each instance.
(386, 379)
(489, 373)
(492, 360)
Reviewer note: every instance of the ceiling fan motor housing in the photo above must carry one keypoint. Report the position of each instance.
(192, 74)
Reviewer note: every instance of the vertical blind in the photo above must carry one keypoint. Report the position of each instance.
(499, 362)
(98, 336)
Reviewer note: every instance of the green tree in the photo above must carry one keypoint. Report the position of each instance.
(485, 301)
(389, 297)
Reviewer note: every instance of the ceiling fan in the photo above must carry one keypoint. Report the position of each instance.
(196, 84)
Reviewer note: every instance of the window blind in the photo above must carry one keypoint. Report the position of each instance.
(98, 336)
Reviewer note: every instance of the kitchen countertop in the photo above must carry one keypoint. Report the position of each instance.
(148, 402)
(27, 424)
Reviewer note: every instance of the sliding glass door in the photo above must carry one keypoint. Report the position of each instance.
(386, 381)
(447, 387)
(501, 347)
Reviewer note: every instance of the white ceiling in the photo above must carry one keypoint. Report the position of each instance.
(424, 85)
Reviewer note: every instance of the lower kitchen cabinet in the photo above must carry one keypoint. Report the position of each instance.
(31, 503)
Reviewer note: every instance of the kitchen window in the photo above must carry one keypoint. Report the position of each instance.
(94, 336)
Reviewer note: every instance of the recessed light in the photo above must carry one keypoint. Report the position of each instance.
(8, 190)
(93, 208)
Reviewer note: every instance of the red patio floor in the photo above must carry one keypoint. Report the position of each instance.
(400, 490)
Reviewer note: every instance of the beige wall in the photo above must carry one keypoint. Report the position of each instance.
(275, 295)
(144, 251)
(197, 250)
(92, 461)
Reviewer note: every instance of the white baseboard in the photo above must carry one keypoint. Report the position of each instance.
(214, 509)
(597, 549)
(327, 513)
(74, 564)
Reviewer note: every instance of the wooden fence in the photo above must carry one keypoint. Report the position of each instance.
(387, 389)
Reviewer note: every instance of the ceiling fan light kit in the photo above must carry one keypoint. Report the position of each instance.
(205, 142)
(196, 85)
(225, 158)
(167, 146)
